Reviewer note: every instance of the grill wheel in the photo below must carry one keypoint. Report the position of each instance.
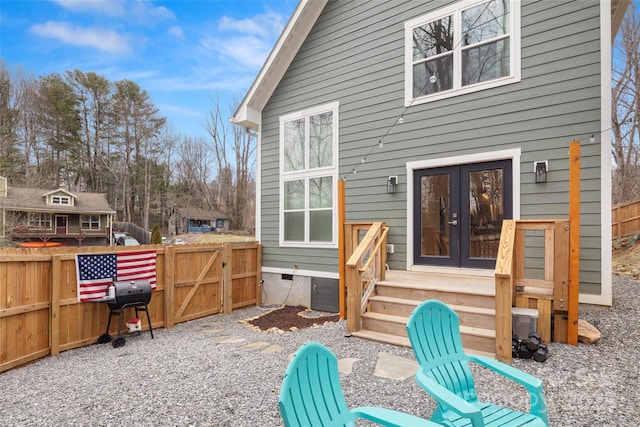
(118, 342)
(104, 338)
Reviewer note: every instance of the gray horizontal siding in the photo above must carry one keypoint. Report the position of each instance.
(355, 55)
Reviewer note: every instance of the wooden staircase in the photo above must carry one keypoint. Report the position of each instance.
(471, 295)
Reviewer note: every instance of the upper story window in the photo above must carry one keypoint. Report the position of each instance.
(60, 200)
(308, 170)
(469, 46)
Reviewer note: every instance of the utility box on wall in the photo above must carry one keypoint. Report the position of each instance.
(325, 295)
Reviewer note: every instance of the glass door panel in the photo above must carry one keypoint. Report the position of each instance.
(487, 202)
(436, 217)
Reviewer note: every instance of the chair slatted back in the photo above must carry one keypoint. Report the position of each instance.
(434, 333)
(311, 394)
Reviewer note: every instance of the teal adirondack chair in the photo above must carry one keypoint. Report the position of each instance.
(311, 395)
(434, 332)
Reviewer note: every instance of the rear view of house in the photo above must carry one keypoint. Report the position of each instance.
(444, 118)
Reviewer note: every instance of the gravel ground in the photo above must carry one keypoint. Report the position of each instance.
(202, 373)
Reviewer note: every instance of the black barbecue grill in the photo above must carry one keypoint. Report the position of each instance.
(120, 296)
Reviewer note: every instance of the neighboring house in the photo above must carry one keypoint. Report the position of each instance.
(58, 216)
(196, 220)
(457, 103)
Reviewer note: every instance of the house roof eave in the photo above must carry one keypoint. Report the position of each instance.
(59, 190)
(277, 63)
(618, 9)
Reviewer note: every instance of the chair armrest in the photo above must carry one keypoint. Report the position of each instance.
(531, 383)
(389, 417)
(449, 399)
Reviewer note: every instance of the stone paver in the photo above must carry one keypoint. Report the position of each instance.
(395, 367)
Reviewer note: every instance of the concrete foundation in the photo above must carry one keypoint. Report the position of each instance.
(278, 291)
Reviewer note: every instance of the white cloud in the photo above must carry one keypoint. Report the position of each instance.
(142, 12)
(264, 25)
(183, 111)
(111, 8)
(104, 40)
(176, 31)
(139, 11)
(245, 42)
(245, 50)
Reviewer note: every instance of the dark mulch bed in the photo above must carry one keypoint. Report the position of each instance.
(291, 316)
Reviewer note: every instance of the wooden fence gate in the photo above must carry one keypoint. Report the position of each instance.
(40, 313)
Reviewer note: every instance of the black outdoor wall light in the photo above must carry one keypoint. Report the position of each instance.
(540, 169)
(392, 184)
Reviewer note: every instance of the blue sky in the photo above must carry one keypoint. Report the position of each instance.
(183, 52)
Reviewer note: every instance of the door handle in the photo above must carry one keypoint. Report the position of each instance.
(454, 222)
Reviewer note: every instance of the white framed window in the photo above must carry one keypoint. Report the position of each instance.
(308, 173)
(40, 220)
(90, 222)
(469, 46)
(60, 200)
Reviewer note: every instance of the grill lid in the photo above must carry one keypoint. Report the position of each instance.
(124, 292)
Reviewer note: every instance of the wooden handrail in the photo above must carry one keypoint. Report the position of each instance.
(382, 238)
(372, 244)
(362, 248)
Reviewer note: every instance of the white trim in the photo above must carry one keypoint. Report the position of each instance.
(513, 154)
(454, 10)
(258, 207)
(306, 273)
(307, 174)
(606, 287)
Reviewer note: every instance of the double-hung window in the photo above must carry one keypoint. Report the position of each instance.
(90, 222)
(308, 172)
(469, 46)
(40, 220)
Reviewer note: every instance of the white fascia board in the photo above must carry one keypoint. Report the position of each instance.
(278, 61)
(606, 262)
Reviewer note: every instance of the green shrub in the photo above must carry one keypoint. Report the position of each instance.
(156, 236)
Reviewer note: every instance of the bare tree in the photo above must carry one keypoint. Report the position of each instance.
(234, 151)
(625, 109)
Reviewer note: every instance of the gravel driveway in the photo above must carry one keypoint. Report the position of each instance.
(217, 372)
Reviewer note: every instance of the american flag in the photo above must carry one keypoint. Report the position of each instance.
(96, 271)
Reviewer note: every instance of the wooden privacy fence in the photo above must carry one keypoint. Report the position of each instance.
(625, 219)
(40, 314)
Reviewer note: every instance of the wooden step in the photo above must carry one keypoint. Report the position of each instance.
(480, 298)
(404, 341)
(475, 338)
(382, 337)
(469, 316)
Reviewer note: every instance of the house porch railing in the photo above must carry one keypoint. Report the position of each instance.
(534, 282)
(366, 253)
(30, 232)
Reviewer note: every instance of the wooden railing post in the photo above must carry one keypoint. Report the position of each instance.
(354, 295)
(504, 291)
(574, 242)
(342, 254)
